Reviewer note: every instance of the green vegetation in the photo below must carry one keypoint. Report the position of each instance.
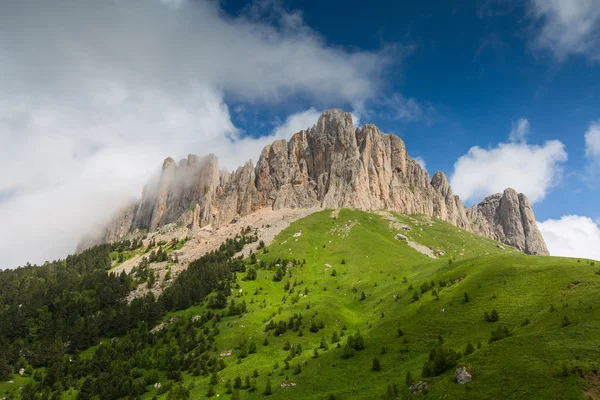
(387, 318)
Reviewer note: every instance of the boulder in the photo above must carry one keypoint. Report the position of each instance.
(463, 376)
(419, 387)
(401, 237)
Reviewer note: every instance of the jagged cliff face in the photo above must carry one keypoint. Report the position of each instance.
(507, 217)
(331, 165)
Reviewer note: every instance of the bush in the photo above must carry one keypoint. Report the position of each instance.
(348, 351)
(466, 297)
(525, 322)
(376, 365)
(211, 391)
(565, 321)
(499, 334)
(469, 349)
(250, 274)
(268, 391)
(493, 317)
(440, 360)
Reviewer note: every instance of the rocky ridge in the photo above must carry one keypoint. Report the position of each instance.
(331, 165)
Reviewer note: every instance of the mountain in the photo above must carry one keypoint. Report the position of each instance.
(343, 304)
(331, 165)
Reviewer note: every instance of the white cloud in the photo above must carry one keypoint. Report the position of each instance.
(519, 131)
(295, 123)
(421, 162)
(399, 107)
(527, 168)
(572, 236)
(96, 94)
(567, 27)
(592, 141)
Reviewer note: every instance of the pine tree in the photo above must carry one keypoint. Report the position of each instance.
(376, 365)
(211, 391)
(268, 391)
(469, 349)
(237, 383)
(335, 338)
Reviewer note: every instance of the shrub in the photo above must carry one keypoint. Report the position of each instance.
(493, 317)
(525, 322)
(469, 349)
(250, 274)
(466, 297)
(211, 391)
(499, 334)
(415, 297)
(376, 365)
(268, 391)
(348, 351)
(565, 321)
(440, 360)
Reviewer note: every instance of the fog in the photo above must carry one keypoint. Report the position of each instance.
(94, 95)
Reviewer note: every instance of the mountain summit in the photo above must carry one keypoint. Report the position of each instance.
(331, 165)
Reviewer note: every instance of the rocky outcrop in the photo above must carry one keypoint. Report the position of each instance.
(508, 218)
(331, 165)
(463, 375)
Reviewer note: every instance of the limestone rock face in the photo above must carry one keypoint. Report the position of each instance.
(331, 165)
(507, 217)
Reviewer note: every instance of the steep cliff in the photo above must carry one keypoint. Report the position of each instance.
(331, 165)
(507, 217)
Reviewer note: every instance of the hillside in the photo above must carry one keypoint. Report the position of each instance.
(548, 306)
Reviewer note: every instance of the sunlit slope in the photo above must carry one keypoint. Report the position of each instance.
(360, 247)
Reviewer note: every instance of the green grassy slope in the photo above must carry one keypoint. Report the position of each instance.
(553, 356)
(527, 365)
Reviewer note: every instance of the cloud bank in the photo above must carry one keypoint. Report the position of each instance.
(567, 27)
(96, 94)
(519, 131)
(592, 141)
(572, 236)
(527, 168)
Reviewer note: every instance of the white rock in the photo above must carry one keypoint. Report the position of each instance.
(463, 376)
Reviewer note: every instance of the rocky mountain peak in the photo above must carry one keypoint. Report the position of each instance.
(508, 217)
(331, 165)
(440, 183)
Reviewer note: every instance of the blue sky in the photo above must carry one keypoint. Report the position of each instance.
(475, 64)
(495, 93)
